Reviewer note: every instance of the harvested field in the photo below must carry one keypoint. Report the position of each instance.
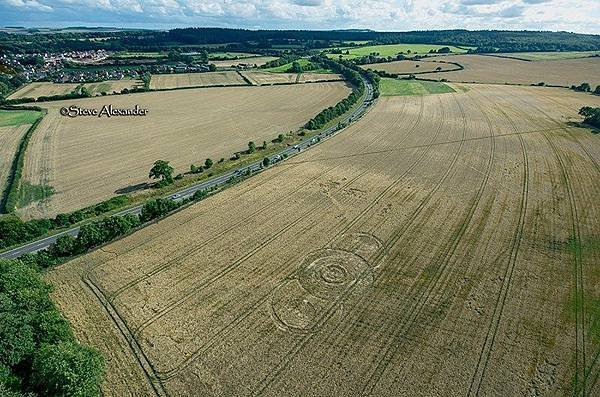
(182, 80)
(36, 90)
(111, 86)
(548, 56)
(265, 78)
(442, 245)
(410, 67)
(89, 159)
(10, 137)
(256, 61)
(316, 77)
(488, 69)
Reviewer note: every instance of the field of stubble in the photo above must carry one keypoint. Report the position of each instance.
(442, 245)
(489, 69)
(89, 159)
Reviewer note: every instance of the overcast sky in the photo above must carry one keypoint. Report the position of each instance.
(580, 16)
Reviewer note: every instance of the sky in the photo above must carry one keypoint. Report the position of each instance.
(579, 16)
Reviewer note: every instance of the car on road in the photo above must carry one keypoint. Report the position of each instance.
(175, 196)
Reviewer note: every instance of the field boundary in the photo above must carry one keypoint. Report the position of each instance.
(9, 198)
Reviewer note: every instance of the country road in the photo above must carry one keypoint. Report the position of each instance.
(45, 242)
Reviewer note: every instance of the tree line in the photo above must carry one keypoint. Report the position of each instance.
(484, 40)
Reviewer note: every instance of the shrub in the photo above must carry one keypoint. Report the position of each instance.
(199, 195)
(156, 208)
(37, 341)
(67, 369)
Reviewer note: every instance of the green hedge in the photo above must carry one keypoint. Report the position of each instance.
(11, 195)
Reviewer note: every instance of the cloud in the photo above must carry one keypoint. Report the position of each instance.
(513, 11)
(29, 4)
(308, 3)
(572, 15)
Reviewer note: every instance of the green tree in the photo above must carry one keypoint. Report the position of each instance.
(156, 208)
(17, 340)
(67, 369)
(251, 147)
(64, 246)
(295, 68)
(597, 90)
(266, 162)
(264, 145)
(91, 235)
(52, 327)
(208, 163)
(161, 169)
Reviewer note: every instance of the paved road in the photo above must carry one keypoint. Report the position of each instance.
(213, 182)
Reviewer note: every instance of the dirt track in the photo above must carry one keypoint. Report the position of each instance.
(434, 248)
(90, 159)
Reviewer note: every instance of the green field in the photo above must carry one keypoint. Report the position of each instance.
(18, 117)
(549, 56)
(393, 50)
(396, 87)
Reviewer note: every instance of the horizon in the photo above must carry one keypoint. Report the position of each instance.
(576, 16)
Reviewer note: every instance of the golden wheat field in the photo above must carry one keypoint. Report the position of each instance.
(182, 80)
(267, 78)
(441, 245)
(410, 67)
(489, 69)
(36, 90)
(89, 159)
(10, 137)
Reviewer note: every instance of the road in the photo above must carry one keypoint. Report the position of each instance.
(219, 180)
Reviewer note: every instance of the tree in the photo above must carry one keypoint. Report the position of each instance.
(161, 169)
(597, 90)
(90, 235)
(208, 163)
(17, 339)
(266, 162)
(296, 68)
(67, 369)
(251, 147)
(64, 246)
(264, 145)
(157, 208)
(591, 115)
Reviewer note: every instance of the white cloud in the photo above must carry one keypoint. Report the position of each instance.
(573, 15)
